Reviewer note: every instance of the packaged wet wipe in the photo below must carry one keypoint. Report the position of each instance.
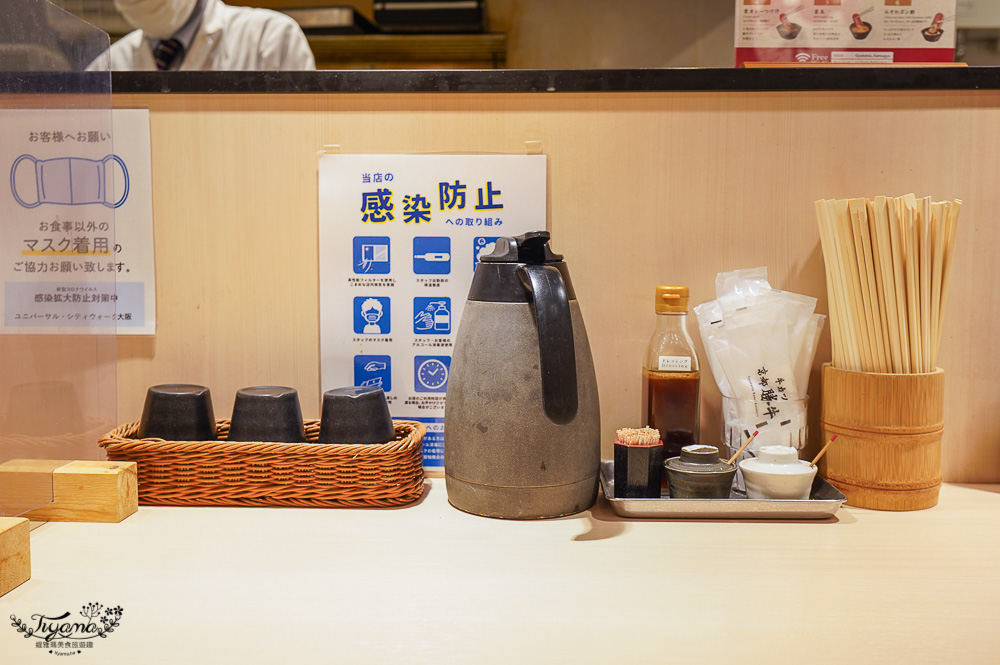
(760, 343)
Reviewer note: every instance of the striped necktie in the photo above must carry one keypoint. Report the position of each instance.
(165, 53)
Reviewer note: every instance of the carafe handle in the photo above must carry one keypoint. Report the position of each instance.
(557, 355)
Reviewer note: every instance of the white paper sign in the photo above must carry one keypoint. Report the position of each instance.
(399, 238)
(76, 251)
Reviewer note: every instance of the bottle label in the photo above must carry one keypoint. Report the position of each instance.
(675, 364)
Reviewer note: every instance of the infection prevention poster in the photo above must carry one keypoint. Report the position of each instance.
(399, 239)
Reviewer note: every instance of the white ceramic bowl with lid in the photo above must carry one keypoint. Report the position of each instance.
(777, 473)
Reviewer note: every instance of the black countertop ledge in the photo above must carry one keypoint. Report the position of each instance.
(519, 80)
(563, 80)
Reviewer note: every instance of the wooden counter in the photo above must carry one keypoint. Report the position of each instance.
(430, 584)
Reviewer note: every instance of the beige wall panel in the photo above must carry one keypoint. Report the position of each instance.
(644, 188)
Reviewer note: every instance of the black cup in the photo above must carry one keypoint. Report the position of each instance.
(356, 415)
(267, 413)
(178, 412)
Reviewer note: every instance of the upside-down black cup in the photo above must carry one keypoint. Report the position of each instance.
(355, 415)
(267, 413)
(178, 412)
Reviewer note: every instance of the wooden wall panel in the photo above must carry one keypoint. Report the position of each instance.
(644, 188)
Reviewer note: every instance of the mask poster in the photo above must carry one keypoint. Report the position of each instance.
(399, 239)
(845, 31)
(77, 232)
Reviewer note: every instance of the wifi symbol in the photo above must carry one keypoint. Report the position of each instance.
(802, 57)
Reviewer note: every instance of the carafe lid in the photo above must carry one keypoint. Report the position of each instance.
(500, 275)
(532, 247)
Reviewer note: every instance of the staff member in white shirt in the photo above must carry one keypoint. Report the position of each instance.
(208, 35)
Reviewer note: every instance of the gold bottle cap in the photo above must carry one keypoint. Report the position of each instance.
(671, 299)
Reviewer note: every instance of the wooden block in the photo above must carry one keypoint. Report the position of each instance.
(82, 491)
(26, 484)
(15, 560)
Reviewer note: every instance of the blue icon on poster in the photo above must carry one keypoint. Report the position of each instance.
(430, 373)
(481, 246)
(371, 255)
(431, 256)
(432, 316)
(373, 371)
(371, 316)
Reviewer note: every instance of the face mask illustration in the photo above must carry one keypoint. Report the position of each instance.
(67, 181)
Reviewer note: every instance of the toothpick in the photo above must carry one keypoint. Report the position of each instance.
(742, 448)
(823, 450)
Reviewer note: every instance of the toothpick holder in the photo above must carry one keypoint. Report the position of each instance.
(889, 428)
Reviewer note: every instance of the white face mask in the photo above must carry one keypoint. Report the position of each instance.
(159, 19)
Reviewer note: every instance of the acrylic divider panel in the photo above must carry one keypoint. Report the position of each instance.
(134, 257)
(399, 240)
(58, 301)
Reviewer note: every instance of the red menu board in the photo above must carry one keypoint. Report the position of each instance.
(845, 31)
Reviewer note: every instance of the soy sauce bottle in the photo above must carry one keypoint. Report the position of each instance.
(671, 379)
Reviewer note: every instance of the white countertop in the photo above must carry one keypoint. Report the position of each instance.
(429, 583)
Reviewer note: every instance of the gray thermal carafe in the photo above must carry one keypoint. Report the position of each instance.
(522, 417)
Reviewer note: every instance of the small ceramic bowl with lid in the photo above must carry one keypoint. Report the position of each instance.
(698, 473)
(777, 473)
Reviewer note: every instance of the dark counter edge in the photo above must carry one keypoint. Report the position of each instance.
(606, 80)
(516, 80)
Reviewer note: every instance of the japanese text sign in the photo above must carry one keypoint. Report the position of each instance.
(399, 238)
(67, 268)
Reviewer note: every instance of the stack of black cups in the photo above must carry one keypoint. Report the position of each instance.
(183, 412)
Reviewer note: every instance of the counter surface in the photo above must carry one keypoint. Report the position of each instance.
(429, 584)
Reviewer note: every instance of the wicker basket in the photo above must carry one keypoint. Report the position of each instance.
(223, 473)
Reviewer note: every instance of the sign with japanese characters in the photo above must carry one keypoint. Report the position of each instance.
(845, 31)
(67, 267)
(399, 239)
